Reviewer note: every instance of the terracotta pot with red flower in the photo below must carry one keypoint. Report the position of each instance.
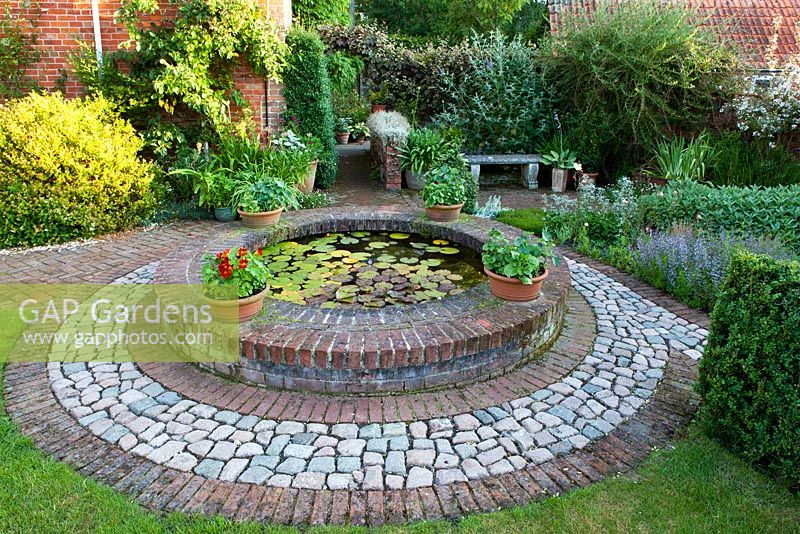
(235, 273)
(516, 269)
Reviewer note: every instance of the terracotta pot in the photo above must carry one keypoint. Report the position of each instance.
(261, 218)
(377, 108)
(444, 213)
(342, 138)
(224, 214)
(311, 175)
(512, 289)
(415, 181)
(241, 310)
(560, 180)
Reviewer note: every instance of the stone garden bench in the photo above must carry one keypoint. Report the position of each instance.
(528, 162)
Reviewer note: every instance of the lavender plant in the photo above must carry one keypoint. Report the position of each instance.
(692, 266)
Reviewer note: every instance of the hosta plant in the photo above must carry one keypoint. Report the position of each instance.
(523, 258)
(243, 269)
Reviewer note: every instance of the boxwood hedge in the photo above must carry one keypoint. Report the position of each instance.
(750, 373)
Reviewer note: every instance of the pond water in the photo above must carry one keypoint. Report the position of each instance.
(370, 269)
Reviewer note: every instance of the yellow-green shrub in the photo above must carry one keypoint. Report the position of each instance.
(68, 169)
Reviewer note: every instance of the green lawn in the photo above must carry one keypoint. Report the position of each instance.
(695, 487)
(527, 219)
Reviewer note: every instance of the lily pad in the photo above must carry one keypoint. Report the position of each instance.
(449, 250)
(378, 244)
(441, 242)
(399, 235)
(409, 261)
(349, 241)
(359, 234)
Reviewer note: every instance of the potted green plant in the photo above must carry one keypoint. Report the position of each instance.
(307, 149)
(445, 192)
(563, 163)
(360, 132)
(379, 99)
(241, 272)
(260, 202)
(516, 269)
(344, 126)
(214, 188)
(424, 149)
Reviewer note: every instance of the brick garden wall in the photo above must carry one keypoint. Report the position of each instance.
(60, 26)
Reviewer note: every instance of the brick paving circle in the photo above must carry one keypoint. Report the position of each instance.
(164, 479)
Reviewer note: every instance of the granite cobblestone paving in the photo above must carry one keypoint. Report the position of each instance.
(123, 406)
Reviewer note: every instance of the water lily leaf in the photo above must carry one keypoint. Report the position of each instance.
(325, 248)
(340, 253)
(367, 275)
(409, 261)
(454, 277)
(441, 242)
(361, 256)
(382, 265)
(399, 235)
(449, 250)
(378, 244)
(360, 234)
(282, 257)
(384, 285)
(386, 258)
(433, 250)
(349, 241)
(350, 260)
(277, 265)
(431, 262)
(419, 245)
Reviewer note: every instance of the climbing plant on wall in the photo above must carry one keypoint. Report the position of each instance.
(185, 63)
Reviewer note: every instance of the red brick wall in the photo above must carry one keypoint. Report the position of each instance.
(61, 25)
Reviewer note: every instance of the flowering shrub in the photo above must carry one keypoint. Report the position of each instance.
(598, 216)
(693, 266)
(772, 109)
(242, 268)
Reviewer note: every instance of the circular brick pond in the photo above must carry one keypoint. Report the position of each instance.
(462, 337)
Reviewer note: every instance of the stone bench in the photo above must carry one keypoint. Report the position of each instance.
(528, 162)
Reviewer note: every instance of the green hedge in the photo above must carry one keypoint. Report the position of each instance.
(312, 13)
(68, 169)
(750, 373)
(308, 97)
(757, 211)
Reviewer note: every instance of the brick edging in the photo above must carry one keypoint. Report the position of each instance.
(574, 343)
(32, 406)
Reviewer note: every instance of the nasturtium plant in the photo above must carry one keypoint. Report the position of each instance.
(523, 258)
(243, 269)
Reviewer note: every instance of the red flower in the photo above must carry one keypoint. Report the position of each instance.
(243, 263)
(241, 252)
(219, 255)
(225, 271)
(259, 252)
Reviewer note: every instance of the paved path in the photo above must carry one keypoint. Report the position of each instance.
(615, 384)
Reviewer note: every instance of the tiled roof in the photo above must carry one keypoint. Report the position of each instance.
(767, 31)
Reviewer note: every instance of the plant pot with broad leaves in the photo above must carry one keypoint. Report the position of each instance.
(261, 201)
(517, 269)
(344, 126)
(563, 162)
(235, 283)
(214, 188)
(360, 132)
(424, 149)
(445, 192)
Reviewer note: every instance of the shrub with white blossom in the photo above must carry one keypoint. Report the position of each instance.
(771, 110)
